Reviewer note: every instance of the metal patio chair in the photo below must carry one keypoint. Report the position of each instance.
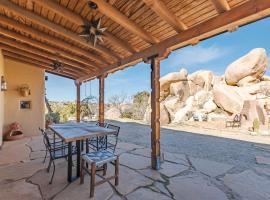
(99, 159)
(97, 142)
(236, 122)
(55, 140)
(55, 152)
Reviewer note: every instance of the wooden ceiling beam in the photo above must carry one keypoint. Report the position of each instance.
(221, 5)
(161, 10)
(77, 19)
(33, 50)
(80, 61)
(246, 13)
(111, 12)
(50, 39)
(41, 65)
(8, 5)
(46, 60)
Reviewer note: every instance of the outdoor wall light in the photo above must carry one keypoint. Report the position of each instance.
(3, 84)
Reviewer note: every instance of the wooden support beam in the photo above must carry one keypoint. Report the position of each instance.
(111, 12)
(221, 5)
(8, 5)
(39, 52)
(161, 10)
(45, 60)
(34, 63)
(50, 39)
(78, 101)
(155, 114)
(246, 13)
(101, 98)
(77, 19)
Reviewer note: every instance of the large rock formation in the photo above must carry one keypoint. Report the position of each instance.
(248, 69)
(204, 95)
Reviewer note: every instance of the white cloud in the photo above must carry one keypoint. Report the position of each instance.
(196, 55)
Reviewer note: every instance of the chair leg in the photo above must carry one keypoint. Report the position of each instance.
(45, 156)
(93, 177)
(49, 166)
(117, 171)
(104, 169)
(52, 173)
(82, 172)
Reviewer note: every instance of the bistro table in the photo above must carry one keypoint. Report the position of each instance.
(77, 132)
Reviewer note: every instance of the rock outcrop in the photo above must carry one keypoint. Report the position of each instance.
(203, 95)
(248, 69)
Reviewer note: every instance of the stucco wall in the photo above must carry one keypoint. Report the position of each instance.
(17, 74)
(1, 98)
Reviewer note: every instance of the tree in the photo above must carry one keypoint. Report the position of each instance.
(117, 101)
(89, 107)
(140, 103)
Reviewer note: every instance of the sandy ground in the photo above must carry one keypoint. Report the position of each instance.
(232, 146)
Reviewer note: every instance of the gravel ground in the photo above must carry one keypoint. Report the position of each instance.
(237, 152)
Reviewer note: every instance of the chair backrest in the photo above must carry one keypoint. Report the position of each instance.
(237, 118)
(46, 140)
(102, 124)
(113, 139)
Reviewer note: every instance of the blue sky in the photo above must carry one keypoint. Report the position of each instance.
(214, 54)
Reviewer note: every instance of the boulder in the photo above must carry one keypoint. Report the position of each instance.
(170, 78)
(164, 115)
(185, 112)
(113, 113)
(172, 104)
(180, 89)
(199, 80)
(247, 69)
(230, 98)
(209, 106)
(202, 97)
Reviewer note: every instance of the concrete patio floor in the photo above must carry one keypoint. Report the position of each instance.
(23, 176)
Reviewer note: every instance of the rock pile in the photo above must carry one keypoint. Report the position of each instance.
(203, 95)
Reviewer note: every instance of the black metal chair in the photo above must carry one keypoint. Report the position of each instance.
(99, 160)
(55, 140)
(55, 152)
(97, 142)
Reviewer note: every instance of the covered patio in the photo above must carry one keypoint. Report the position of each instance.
(25, 176)
(83, 40)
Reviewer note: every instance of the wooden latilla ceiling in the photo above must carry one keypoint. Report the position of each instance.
(40, 32)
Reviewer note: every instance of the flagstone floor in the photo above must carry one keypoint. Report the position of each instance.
(23, 176)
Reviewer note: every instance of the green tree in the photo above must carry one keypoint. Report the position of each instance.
(140, 103)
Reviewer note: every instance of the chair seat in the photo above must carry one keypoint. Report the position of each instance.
(99, 157)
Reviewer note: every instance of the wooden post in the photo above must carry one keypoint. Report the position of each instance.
(78, 104)
(155, 114)
(101, 98)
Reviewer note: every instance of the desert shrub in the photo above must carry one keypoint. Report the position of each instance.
(256, 125)
(127, 114)
(52, 117)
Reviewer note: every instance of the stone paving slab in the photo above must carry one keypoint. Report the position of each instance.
(24, 170)
(152, 174)
(36, 144)
(249, 185)
(170, 169)
(77, 191)
(262, 160)
(194, 187)
(42, 178)
(19, 190)
(146, 194)
(17, 151)
(210, 168)
(134, 161)
(176, 158)
(129, 180)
